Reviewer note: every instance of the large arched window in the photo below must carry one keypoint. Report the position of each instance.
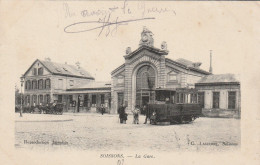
(145, 84)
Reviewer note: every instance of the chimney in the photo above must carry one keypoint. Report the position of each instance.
(47, 59)
(78, 65)
(210, 67)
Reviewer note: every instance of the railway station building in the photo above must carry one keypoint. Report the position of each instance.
(146, 69)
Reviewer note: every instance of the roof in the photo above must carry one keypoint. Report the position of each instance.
(64, 69)
(186, 64)
(118, 68)
(153, 49)
(93, 85)
(219, 79)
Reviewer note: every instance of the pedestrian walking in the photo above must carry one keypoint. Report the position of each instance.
(122, 114)
(136, 113)
(147, 114)
(102, 109)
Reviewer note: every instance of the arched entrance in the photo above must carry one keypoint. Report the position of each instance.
(145, 84)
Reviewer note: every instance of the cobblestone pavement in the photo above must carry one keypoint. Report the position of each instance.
(95, 132)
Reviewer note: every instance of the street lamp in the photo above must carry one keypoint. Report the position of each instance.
(21, 109)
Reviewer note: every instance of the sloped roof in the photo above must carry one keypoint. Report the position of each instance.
(63, 69)
(186, 64)
(219, 78)
(92, 85)
(153, 49)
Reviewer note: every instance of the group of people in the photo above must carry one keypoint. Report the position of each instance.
(136, 112)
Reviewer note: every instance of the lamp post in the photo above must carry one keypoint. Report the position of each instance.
(21, 109)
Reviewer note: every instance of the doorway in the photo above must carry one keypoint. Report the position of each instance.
(120, 99)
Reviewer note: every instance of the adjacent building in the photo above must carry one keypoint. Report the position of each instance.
(221, 95)
(47, 81)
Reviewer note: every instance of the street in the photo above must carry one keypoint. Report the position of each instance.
(95, 132)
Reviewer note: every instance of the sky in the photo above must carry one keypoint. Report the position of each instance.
(191, 29)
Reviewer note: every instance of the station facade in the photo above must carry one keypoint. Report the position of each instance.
(146, 69)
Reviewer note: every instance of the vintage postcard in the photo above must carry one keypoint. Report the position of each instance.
(129, 82)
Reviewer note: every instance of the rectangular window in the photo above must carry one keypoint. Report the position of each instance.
(172, 77)
(48, 99)
(47, 84)
(40, 71)
(34, 100)
(215, 99)
(40, 84)
(40, 99)
(34, 84)
(71, 82)
(59, 98)
(231, 100)
(34, 71)
(85, 100)
(94, 99)
(201, 99)
(120, 80)
(60, 84)
(102, 99)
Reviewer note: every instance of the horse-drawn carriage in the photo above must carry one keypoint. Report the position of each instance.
(178, 106)
(53, 108)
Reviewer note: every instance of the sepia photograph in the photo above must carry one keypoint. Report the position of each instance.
(129, 82)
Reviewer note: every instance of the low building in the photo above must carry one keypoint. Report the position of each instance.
(220, 95)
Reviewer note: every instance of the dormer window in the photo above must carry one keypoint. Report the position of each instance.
(81, 73)
(40, 71)
(58, 69)
(34, 71)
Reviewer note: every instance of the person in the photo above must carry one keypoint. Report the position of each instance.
(102, 109)
(122, 114)
(147, 114)
(136, 112)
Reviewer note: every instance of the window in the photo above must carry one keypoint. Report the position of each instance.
(94, 99)
(102, 99)
(34, 84)
(172, 77)
(60, 84)
(47, 84)
(201, 99)
(48, 99)
(34, 71)
(40, 99)
(70, 99)
(193, 98)
(71, 82)
(120, 80)
(231, 100)
(27, 100)
(85, 100)
(40, 84)
(59, 98)
(215, 99)
(28, 84)
(34, 100)
(40, 71)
